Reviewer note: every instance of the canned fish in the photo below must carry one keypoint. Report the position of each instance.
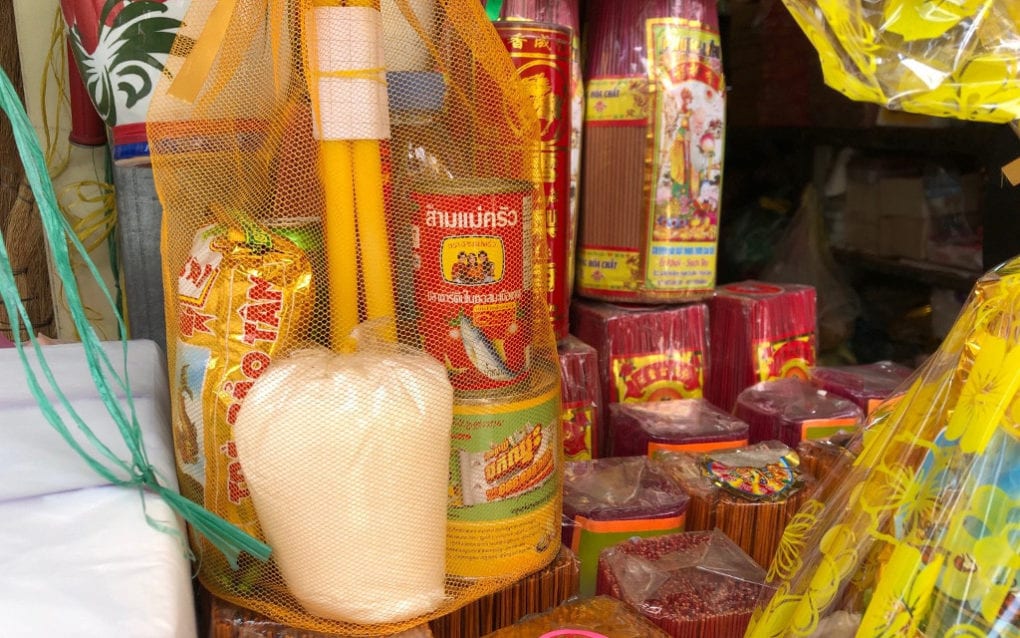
(472, 249)
(541, 53)
(505, 482)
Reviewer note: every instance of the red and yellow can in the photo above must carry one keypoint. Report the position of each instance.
(541, 53)
(471, 241)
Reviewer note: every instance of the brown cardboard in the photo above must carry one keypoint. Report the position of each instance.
(902, 197)
(1012, 171)
(861, 236)
(903, 236)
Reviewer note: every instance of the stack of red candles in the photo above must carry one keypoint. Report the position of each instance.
(646, 353)
(693, 584)
(760, 331)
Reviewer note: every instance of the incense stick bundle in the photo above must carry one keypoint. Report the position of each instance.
(759, 332)
(646, 353)
(598, 616)
(820, 458)
(653, 130)
(793, 410)
(754, 521)
(605, 500)
(535, 593)
(684, 425)
(582, 398)
(866, 385)
(692, 585)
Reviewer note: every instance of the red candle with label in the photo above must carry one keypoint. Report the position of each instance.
(582, 398)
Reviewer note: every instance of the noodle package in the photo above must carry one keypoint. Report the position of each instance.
(918, 531)
(328, 168)
(947, 59)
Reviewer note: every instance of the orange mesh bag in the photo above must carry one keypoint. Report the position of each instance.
(364, 373)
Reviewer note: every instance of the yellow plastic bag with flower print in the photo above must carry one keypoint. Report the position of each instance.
(920, 535)
(947, 58)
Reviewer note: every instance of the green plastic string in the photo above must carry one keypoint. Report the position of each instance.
(493, 9)
(138, 471)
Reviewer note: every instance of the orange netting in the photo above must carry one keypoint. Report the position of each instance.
(355, 263)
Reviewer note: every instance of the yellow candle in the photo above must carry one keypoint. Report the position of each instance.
(372, 232)
(336, 169)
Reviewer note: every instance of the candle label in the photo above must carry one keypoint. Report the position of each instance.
(617, 101)
(505, 483)
(542, 55)
(578, 422)
(686, 129)
(765, 482)
(473, 275)
(676, 374)
(784, 358)
(655, 447)
(242, 297)
(612, 269)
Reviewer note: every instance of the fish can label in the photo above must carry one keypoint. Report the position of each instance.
(473, 279)
(542, 55)
(505, 481)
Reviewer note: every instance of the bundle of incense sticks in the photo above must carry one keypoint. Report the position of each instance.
(794, 410)
(749, 494)
(759, 331)
(598, 616)
(605, 500)
(653, 149)
(820, 458)
(866, 385)
(692, 585)
(684, 425)
(532, 594)
(646, 353)
(581, 393)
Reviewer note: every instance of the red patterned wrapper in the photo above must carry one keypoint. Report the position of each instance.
(759, 331)
(684, 425)
(541, 53)
(646, 353)
(703, 585)
(582, 398)
(866, 385)
(793, 410)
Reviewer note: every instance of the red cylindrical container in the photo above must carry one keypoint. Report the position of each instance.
(541, 53)
(87, 128)
(471, 242)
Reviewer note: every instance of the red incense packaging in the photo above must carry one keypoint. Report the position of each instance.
(582, 398)
(793, 410)
(646, 353)
(866, 385)
(759, 331)
(684, 425)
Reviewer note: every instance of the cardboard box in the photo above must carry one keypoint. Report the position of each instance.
(904, 236)
(902, 197)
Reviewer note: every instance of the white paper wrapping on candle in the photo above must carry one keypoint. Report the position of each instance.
(347, 459)
(352, 107)
(405, 50)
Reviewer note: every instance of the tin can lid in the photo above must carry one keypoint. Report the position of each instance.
(415, 90)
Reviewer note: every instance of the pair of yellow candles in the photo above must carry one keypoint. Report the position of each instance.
(352, 178)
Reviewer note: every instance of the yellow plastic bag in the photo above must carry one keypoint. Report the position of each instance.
(325, 165)
(919, 534)
(948, 59)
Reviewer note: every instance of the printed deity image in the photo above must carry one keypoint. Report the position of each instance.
(473, 279)
(690, 134)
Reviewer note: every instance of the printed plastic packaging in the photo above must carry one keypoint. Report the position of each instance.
(609, 500)
(692, 585)
(749, 494)
(866, 385)
(793, 410)
(919, 534)
(943, 59)
(581, 391)
(683, 425)
(646, 353)
(759, 331)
